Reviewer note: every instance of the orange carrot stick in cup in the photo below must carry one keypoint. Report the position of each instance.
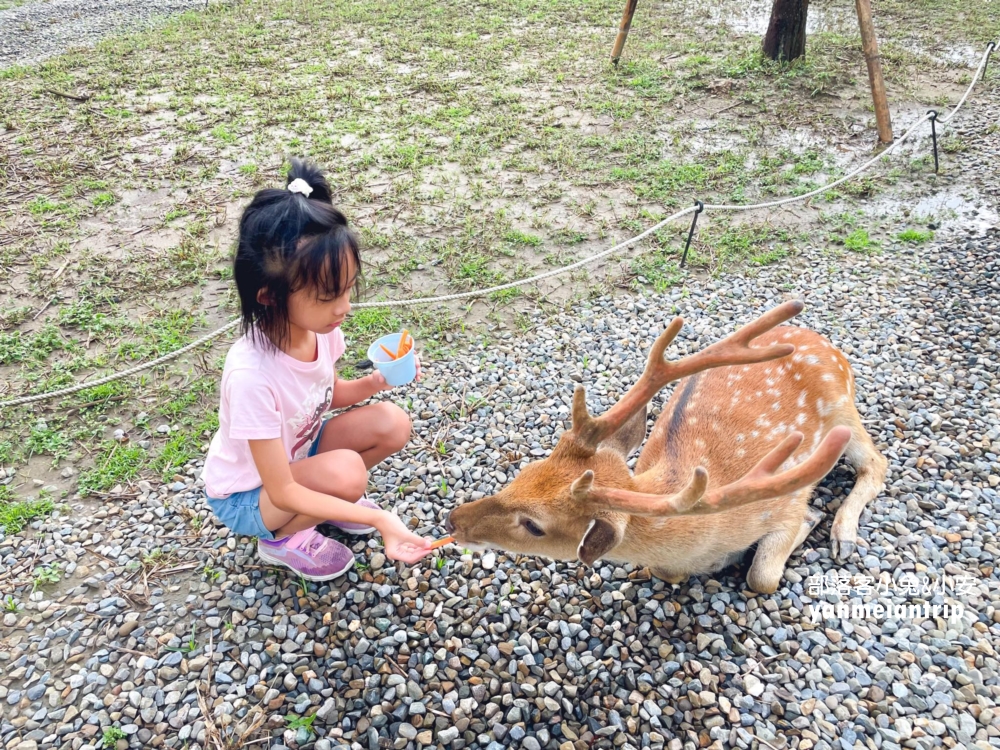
(402, 341)
(391, 355)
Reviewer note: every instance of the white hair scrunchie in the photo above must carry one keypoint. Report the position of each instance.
(299, 185)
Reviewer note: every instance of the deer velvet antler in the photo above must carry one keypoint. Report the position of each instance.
(588, 432)
(760, 483)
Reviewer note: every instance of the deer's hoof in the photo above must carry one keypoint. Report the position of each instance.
(842, 549)
(672, 578)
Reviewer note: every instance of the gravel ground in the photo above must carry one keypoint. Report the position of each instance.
(493, 652)
(38, 30)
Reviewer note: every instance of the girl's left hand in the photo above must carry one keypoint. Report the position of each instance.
(379, 380)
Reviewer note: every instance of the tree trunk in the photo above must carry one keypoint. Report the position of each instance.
(786, 34)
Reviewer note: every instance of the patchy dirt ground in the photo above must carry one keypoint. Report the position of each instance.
(471, 146)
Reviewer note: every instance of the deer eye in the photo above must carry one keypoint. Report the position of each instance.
(532, 527)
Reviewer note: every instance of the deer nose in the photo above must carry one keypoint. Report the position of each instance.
(449, 527)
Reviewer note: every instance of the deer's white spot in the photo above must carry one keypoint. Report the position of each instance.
(746, 368)
(797, 376)
(700, 443)
(740, 452)
(740, 438)
(755, 433)
(833, 357)
(776, 405)
(802, 399)
(767, 371)
(812, 359)
(769, 381)
(840, 367)
(803, 348)
(801, 418)
(827, 376)
(693, 420)
(787, 335)
(760, 393)
(796, 358)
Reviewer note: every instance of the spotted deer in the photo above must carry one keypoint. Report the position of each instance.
(731, 461)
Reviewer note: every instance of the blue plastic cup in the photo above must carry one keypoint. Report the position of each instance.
(395, 371)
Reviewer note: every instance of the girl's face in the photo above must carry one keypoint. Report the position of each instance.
(317, 313)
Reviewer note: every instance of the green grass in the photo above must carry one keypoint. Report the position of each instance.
(115, 464)
(16, 514)
(47, 575)
(858, 241)
(915, 236)
(459, 169)
(295, 723)
(111, 735)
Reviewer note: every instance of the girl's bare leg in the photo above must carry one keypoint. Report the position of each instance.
(351, 444)
(340, 473)
(375, 432)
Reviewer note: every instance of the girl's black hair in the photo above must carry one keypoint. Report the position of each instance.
(290, 242)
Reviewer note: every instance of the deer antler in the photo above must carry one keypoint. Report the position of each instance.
(760, 483)
(588, 432)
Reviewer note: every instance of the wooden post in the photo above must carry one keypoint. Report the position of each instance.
(623, 30)
(870, 46)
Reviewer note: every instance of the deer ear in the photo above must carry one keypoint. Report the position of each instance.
(602, 536)
(630, 435)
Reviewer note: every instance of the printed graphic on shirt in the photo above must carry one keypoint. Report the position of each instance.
(307, 421)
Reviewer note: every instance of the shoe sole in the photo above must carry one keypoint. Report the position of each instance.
(263, 555)
(354, 532)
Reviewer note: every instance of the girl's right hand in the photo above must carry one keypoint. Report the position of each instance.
(401, 543)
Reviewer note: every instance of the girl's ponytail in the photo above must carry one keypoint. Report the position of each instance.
(312, 176)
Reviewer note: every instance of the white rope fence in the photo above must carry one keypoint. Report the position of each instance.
(532, 279)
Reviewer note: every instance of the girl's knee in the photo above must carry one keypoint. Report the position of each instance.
(348, 473)
(394, 426)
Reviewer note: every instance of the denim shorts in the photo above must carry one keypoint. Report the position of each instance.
(240, 512)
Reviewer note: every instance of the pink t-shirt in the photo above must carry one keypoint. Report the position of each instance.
(268, 395)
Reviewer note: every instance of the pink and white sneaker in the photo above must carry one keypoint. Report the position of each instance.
(356, 528)
(308, 553)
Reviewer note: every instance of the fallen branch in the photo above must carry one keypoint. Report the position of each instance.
(74, 97)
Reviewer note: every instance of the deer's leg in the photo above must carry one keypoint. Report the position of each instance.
(871, 467)
(772, 554)
(813, 517)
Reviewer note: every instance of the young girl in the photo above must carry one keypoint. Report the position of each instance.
(275, 470)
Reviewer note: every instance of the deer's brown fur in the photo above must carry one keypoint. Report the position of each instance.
(725, 418)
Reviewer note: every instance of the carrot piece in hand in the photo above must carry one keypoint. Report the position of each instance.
(441, 542)
(391, 355)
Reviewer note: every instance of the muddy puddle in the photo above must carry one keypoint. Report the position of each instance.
(752, 16)
(957, 208)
